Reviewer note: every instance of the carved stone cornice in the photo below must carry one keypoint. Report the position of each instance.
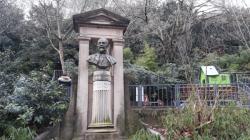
(99, 17)
(83, 38)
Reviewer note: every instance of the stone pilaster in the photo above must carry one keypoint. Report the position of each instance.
(119, 114)
(82, 90)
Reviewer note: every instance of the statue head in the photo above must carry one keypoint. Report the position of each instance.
(102, 45)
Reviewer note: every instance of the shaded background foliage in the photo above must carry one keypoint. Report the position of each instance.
(166, 42)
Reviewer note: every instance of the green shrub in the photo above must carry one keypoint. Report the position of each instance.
(235, 62)
(128, 54)
(148, 58)
(144, 135)
(230, 123)
(231, 62)
(13, 133)
(199, 121)
(36, 101)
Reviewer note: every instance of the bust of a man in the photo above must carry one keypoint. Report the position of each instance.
(102, 60)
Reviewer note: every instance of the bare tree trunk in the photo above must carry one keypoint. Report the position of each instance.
(60, 43)
(61, 56)
(146, 11)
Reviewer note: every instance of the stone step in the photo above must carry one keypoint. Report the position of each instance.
(102, 136)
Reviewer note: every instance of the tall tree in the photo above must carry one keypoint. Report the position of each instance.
(11, 21)
(49, 17)
(9, 16)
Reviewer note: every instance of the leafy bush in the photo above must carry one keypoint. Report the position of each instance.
(128, 54)
(198, 121)
(70, 67)
(233, 62)
(7, 77)
(144, 135)
(36, 102)
(148, 58)
(230, 123)
(13, 133)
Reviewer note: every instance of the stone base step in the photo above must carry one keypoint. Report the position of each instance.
(94, 135)
(102, 136)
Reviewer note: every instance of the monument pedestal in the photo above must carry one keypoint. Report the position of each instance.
(101, 105)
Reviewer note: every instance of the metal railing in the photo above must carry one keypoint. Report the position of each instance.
(243, 78)
(168, 95)
(152, 95)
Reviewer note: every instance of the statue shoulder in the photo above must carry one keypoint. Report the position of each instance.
(93, 58)
(111, 59)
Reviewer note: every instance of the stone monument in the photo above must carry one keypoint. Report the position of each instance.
(100, 96)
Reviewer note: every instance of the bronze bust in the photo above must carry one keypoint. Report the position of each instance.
(102, 60)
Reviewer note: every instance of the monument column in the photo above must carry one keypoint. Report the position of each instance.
(119, 114)
(82, 91)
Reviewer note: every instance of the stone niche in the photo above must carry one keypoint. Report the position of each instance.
(91, 26)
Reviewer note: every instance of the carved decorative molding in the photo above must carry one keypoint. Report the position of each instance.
(83, 38)
(99, 17)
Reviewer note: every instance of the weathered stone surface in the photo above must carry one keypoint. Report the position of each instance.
(93, 25)
(99, 17)
(101, 76)
(119, 112)
(82, 88)
(102, 136)
(101, 104)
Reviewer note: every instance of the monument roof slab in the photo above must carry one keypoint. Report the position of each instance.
(99, 17)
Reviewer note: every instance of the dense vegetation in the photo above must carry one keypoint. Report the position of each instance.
(166, 41)
(197, 121)
(144, 135)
